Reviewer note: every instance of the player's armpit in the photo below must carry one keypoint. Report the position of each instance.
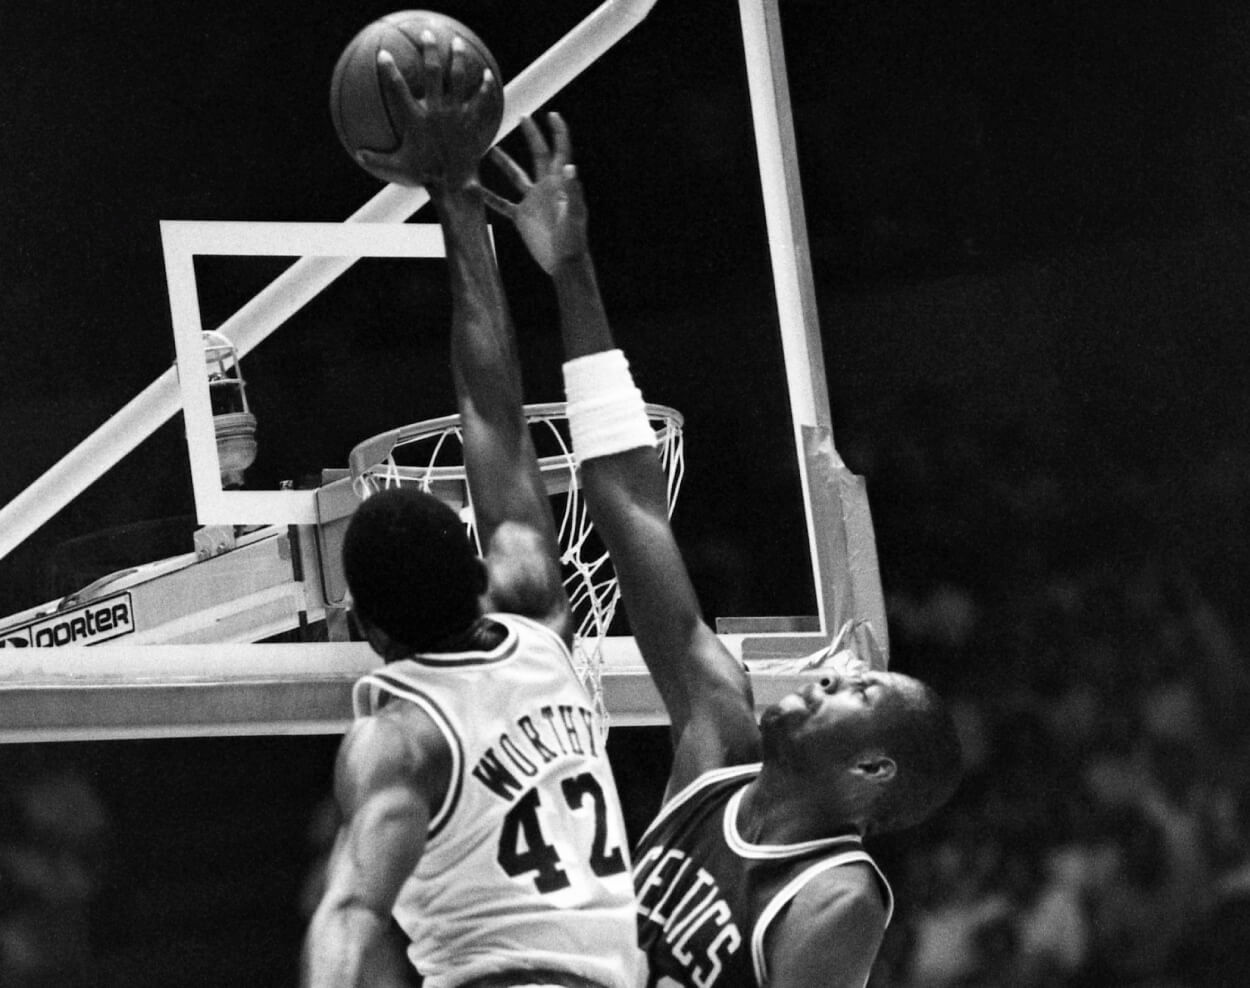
(524, 578)
(828, 937)
(719, 727)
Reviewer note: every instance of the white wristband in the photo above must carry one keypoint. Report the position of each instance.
(605, 409)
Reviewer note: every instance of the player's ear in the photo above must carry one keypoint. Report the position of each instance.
(386, 647)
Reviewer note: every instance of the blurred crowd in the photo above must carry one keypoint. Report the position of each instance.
(54, 833)
(1102, 834)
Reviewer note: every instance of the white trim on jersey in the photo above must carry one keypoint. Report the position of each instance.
(765, 852)
(791, 889)
(708, 778)
(502, 652)
(393, 682)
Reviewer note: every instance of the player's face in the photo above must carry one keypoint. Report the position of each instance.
(831, 720)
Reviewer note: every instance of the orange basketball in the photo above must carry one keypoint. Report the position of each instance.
(357, 104)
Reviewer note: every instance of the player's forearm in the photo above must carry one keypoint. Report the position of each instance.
(476, 289)
(584, 322)
(341, 948)
(625, 495)
(499, 455)
(483, 344)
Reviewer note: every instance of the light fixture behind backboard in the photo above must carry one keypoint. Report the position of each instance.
(183, 240)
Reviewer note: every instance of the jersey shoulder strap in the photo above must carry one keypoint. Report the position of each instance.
(708, 782)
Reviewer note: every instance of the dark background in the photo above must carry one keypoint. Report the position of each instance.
(1028, 227)
(1030, 217)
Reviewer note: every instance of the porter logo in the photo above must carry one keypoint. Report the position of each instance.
(88, 624)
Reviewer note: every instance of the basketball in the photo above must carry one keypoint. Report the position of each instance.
(357, 104)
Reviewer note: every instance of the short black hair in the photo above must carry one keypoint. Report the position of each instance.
(411, 567)
(922, 739)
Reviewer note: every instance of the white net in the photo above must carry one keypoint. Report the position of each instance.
(430, 456)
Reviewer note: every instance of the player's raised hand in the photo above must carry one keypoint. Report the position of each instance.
(551, 214)
(440, 146)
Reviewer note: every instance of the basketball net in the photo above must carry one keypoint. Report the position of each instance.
(433, 461)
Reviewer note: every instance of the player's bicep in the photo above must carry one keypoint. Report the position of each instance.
(714, 724)
(378, 849)
(628, 502)
(502, 469)
(385, 790)
(829, 935)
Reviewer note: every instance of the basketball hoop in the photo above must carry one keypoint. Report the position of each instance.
(433, 461)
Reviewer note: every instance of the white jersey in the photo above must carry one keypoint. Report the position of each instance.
(526, 864)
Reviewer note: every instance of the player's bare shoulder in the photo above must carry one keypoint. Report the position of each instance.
(855, 886)
(398, 745)
(846, 906)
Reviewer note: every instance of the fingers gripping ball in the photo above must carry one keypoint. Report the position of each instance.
(357, 103)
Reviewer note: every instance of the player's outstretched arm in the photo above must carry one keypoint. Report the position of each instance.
(510, 503)
(385, 785)
(705, 690)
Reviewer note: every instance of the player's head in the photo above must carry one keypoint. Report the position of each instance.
(412, 571)
(881, 745)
